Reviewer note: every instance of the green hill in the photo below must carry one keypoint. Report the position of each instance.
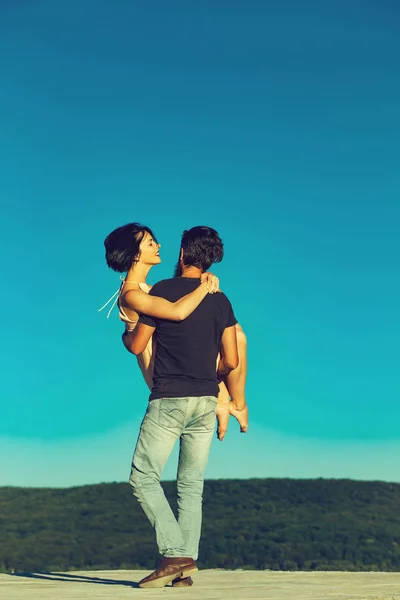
(256, 523)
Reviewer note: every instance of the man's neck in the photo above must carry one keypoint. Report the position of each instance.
(191, 272)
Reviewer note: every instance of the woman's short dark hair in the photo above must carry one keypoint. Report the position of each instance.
(202, 247)
(122, 245)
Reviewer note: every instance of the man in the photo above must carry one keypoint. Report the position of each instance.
(182, 405)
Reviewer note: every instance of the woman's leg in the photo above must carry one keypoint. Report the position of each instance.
(236, 379)
(233, 386)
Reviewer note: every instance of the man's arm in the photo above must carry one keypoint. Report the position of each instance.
(229, 352)
(140, 338)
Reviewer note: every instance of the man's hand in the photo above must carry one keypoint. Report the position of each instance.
(241, 415)
(127, 339)
(222, 415)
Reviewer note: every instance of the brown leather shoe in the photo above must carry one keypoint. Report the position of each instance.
(182, 582)
(179, 567)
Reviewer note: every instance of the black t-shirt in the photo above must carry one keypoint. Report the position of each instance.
(186, 351)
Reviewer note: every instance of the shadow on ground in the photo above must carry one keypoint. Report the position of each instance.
(76, 578)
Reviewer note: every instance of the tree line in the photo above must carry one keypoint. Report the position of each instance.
(279, 524)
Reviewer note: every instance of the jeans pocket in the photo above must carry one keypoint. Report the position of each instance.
(172, 413)
(207, 420)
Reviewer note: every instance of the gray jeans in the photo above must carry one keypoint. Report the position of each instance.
(192, 420)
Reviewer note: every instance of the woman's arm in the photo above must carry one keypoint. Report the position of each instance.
(154, 306)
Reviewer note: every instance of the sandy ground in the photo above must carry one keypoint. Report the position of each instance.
(208, 585)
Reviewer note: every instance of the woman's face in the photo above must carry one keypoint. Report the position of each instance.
(149, 250)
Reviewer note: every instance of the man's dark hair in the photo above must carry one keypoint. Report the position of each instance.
(202, 247)
(122, 245)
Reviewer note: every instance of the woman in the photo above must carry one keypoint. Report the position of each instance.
(134, 249)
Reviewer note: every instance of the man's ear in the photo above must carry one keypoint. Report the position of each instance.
(181, 255)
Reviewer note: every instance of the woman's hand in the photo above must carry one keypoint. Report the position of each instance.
(212, 282)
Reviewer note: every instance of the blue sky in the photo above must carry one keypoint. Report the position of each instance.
(277, 123)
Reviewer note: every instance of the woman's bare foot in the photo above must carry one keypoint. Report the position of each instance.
(222, 415)
(240, 414)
